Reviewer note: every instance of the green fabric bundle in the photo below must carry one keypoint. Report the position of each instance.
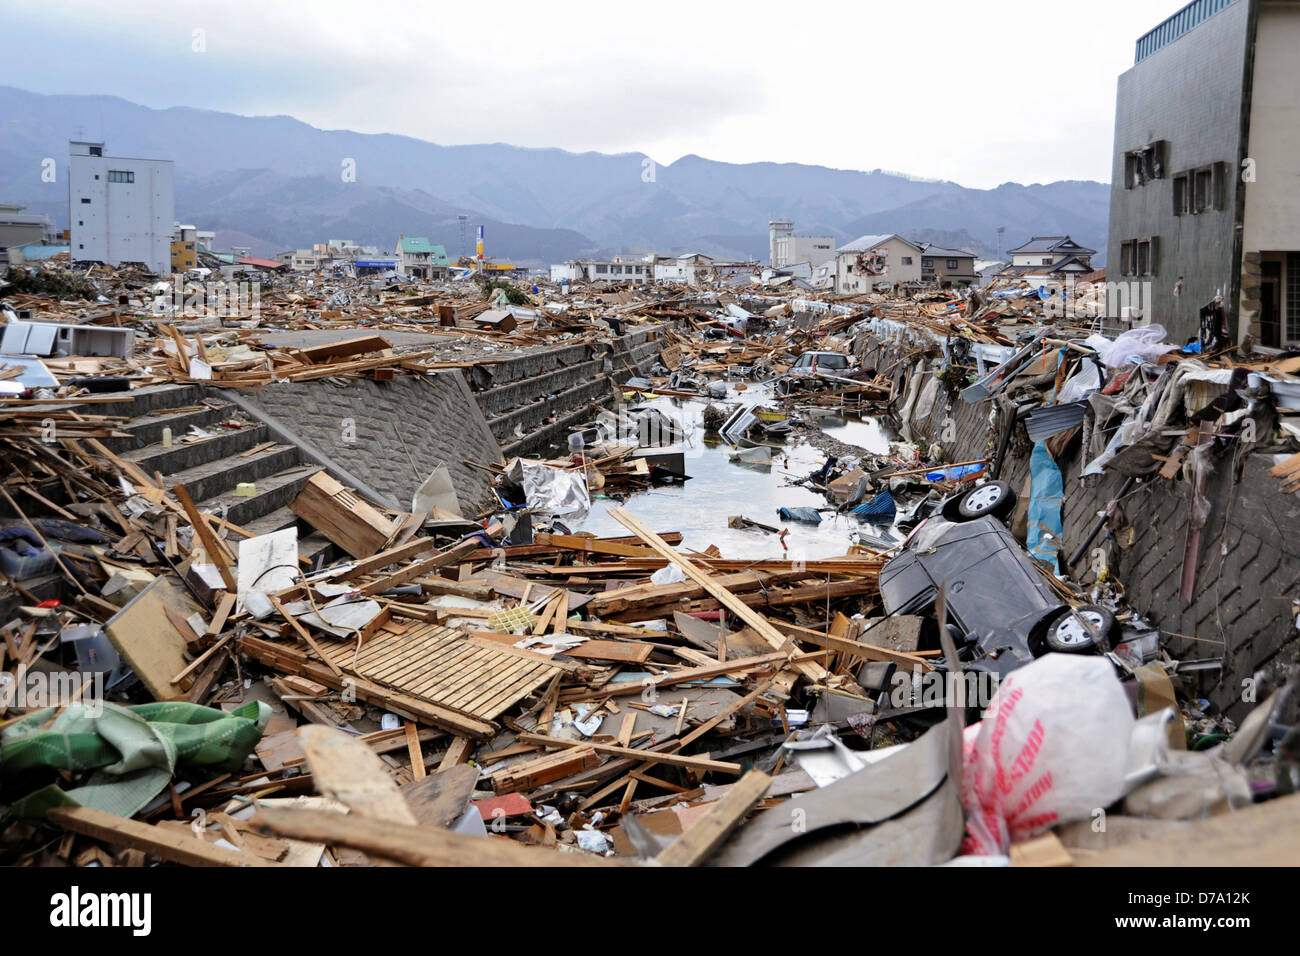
(130, 752)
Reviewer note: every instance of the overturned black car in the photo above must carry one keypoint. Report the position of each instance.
(1001, 610)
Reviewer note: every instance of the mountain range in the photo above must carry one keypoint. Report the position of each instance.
(277, 183)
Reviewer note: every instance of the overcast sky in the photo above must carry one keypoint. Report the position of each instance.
(979, 93)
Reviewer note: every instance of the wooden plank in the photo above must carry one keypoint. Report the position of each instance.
(440, 798)
(413, 845)
(224, 606)
(676, 760)
(545, 769)
(166, 844)
(216, 554)
(415, 751)
(460, 750)
(695, 845)
(628, 652)
(869, 652)
(347, 770)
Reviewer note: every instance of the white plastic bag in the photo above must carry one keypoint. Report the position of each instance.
(1051, 748)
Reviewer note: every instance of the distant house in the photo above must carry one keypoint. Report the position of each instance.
(947, 268)
(876, 262)
(420, 259)
(687, 268)
(617, 269)
(1048, 260)
(184, 247)
(261, 265)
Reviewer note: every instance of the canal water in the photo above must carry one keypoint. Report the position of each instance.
(720, 487)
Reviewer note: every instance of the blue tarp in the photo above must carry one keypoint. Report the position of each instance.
(879, 510)
(810, 515)
(948, 474)
(1046, 495)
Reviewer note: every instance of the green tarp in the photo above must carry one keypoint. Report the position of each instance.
(130, 753)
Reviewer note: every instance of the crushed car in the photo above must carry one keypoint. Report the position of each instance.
(1001, 609)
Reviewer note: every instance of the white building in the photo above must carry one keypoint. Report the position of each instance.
(688, 268)
(618, 269)
(785, 248)
(120, 210)
(869, 263)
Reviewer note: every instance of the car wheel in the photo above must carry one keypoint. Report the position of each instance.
(991, 498)
(1068, 635)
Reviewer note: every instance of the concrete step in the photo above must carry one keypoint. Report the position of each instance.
(275, 490)
(211, 478)
(147, 429)
(141, 401)
(533, 415)
(182, 456)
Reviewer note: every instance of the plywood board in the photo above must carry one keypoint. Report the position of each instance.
(144, 634)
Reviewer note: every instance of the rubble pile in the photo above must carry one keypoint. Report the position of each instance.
(508, 687)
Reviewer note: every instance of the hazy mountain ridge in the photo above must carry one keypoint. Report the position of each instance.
(281, 180)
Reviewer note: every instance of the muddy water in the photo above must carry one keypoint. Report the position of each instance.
(720, 488)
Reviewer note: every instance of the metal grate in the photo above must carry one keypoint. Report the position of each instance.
(1293, 297)
(1178, 24)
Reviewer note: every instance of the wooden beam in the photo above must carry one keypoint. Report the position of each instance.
(708, 833)
(757, 621)
(210, 544)
(675, 759)
(166, 844)
(412, 845)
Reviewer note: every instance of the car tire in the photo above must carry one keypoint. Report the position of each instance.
(1066, 635)
(991, 498)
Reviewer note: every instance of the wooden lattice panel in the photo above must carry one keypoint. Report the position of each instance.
(445, 667)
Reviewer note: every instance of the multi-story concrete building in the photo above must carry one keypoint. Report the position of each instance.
(119, 209)
(785, 248)
(1205, 199)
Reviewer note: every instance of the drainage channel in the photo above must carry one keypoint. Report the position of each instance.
(721, 487)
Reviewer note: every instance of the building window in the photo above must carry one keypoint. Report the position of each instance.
(907, 260)
(1182, 195)
(927, 263)
(85, 200)
(601, 270)
(952, 263)
(121, 176)
(1138, 257)
(1145, 164)
(1207, 187)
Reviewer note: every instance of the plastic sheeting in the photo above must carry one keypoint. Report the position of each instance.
(879, 510)
(1145, 344)
(547, 490)
(1046, 495)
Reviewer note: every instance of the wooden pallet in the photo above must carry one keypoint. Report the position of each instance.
(445, 667)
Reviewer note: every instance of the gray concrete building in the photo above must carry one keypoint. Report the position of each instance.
(1205, 196)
